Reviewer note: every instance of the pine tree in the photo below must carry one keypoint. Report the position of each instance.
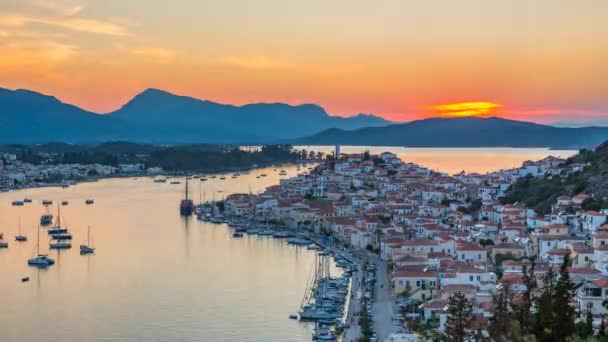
(460, 316)
(543, 318)
(500, 324)
(563, 322)
(524, 310)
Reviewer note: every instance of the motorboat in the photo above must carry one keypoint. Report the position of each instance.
(27, 200)
(46, 219)
(89, 201)
(237, 235)
(18, 203)
(298, 241)
(65, 202)
(160, 180)
(61, 236)
(61, 244)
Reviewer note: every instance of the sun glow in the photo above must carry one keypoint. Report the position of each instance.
(464, 109)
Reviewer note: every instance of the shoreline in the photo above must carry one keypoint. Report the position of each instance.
(90, 179)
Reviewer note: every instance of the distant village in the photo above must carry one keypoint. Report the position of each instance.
(443, 234)
(16, 174)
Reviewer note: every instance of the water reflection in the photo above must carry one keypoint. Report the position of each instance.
(155, 276)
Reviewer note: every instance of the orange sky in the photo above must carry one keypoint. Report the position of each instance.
(540, 60)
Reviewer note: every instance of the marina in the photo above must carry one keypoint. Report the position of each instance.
(266, 274)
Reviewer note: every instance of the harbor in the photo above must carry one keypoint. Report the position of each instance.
(170, 273)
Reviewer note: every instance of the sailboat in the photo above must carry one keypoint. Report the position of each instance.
(186, 205)
(20, 237)
(56, 230)
(87, 249)
(40, 260)
(3, 244)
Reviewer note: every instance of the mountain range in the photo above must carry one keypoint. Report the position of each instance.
(156, 116)
(463, 132)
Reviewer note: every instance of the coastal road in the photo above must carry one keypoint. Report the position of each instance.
(382, 310)
(353, 332)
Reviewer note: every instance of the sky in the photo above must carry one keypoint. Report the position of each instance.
(536, 60)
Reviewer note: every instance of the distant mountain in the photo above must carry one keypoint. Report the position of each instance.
(260, 122)
(28, 117)
(157, 116)
(463, 132)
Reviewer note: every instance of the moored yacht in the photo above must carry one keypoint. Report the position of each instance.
(60, 244)
(40, 260)
(20, 237)
(86, 248)
(46, 219)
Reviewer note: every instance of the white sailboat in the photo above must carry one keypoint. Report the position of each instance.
(87, 249)
(40, 260)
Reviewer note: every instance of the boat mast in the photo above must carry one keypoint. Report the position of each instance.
(38, 241)
(186, 188)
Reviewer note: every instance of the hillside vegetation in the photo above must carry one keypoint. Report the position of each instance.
(541, 193)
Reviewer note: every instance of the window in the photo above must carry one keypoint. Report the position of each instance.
(418, 283)
(470, 278)
(478, 256)
(478, 278)
(462, 256)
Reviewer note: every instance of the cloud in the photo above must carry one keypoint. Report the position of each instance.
(35, 53)
(63, 7)
(256, 63)
(70, 23)
(463, 109)
(156, 53)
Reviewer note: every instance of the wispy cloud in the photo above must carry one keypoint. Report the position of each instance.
(38, 52)
(62, 7)
(70, 23)
(256, 62)
(160, 54)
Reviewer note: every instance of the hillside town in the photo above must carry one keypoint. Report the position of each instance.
(438, 236)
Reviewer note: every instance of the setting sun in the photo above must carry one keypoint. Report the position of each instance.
(463, 109)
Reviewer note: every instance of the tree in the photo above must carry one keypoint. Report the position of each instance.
(460, 316)
(563, 322)
(500, 324)
(523, 311)
(543, 318)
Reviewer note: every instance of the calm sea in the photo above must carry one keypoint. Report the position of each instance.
(454, 160)
(156, 276)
